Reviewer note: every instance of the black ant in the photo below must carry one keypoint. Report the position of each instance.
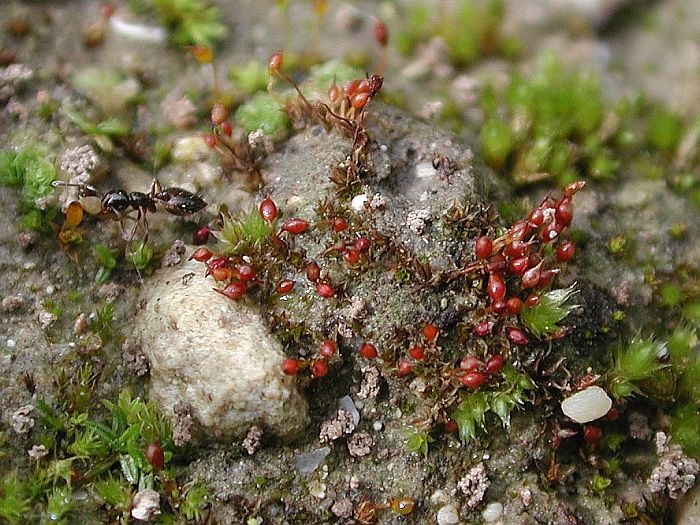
(117, 204)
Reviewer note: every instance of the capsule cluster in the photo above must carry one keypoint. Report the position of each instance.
(523, 261)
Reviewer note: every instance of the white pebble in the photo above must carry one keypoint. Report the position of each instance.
(425, 170)
(448, 515)
(492, 512)
(358, 202)
(587, 405)
(141, 32)
(11, 343)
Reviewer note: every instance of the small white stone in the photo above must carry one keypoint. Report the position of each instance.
(448, 515)
(492, 512)
(425, 170)
(587, 405)
(145, 505)
(11, 343)
(358, 202)
(377, 426)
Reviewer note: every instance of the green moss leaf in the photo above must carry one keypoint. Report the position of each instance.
(634, 363)
(541, 320)
(470, 415)
(262, 112)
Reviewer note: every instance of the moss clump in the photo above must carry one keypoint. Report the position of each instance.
(511, 394)
(550, 125)
(541, 320)
(240, 234)
(635, 363)
(30, 172)
(190, 22)
(249, 78)
(262, 112)
(470, 30)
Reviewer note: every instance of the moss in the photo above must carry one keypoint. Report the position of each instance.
(190, 22)
(542, 319)
(665, 130)
(685, 422)
(262, 112)
(548, 124)
(249, 78)
(635, 362)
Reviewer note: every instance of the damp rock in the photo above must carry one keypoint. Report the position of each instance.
(217, 356)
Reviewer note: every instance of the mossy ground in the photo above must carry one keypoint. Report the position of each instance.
(644, 192)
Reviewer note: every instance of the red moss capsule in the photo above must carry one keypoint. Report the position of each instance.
(226, 128)
(201, 254)
(514, 305)
(519, 230)
(275, 63)
(483, 247)
(498, 307)
(592, 434)
(209, 140)
(234, 290)
(519, 266)
(496, 263)
(218, 113)
(295, 226)
(450, 426)
(313, 272)
(325, 290)
(573, 188)
(368, 351)
(516, 336)
(473, 380)
(469, 363)
(285, 286)
(546, 278)
(531, 277)
(496, 287)
(494, 364)
(290, 366)
(351, 256)
(359, 101)
(403, 368)
(402, 506)
(220, 273)
(333, 93)
(350, 88)
(320, 368)
(155, 456)
(268, 209)
(550, 232)
(532, 299)
(483, 328)
(517, 249)
(430, 332)
(201, 236)
(381, 35)
(362, 244)
(339, 224)
(328, 348)
(417, 353)
(565, 211)
(244, 272)
(536, 217)
(565, 251)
